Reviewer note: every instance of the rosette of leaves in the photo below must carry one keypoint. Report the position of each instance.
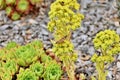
(25, 55)
(10, 67)
(108, 43)
(37, 68)
(15, 15)
(26, 75)
(23, 6)
(52, 71)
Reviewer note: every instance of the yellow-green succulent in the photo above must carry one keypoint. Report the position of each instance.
(64, 18)
(108, 42)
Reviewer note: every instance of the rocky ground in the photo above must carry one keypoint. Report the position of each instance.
(99, 15)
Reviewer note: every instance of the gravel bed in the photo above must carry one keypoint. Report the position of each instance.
(98, 16)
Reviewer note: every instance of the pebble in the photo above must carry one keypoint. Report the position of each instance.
(118, 31)
(118, 57)
(91, 50)
(32, 21)
(4, 27)
(117, 24)
(118, 65)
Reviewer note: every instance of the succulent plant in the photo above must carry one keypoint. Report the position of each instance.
(26, 55)
(15, 16)
(52, 71)
(37, 68)
(108, 42)
(23, 6)
(10, 67)
(64, 18)
(26, 75)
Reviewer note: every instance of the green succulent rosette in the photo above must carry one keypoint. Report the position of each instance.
(52, 71)
(37, 68)
(26, 75)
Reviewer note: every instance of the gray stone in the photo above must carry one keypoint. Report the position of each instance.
(84, 48)
(84, 37)
(32, 21)
(44, 31)
(15, 27)
(118, 64)
(119, 57)
(118, 31)
(74, 35)
(84, 29)
(2, 28)
(17, 22)
(91, 50)
(110, 75)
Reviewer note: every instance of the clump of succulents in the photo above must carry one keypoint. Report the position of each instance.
(108, 43)
(25, 62)
(16, 8)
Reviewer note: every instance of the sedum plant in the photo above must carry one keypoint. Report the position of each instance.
(17, 8)
(108, 42)
(64, 18)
